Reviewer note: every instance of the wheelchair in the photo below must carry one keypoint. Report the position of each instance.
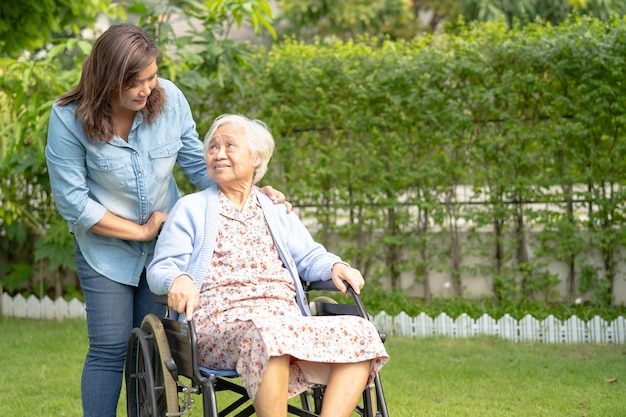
(164, 378)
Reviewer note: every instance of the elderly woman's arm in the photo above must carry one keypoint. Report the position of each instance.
(313, 261)
(175, 248)
(170, 270)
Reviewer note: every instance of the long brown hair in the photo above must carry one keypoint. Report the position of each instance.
(118, 55)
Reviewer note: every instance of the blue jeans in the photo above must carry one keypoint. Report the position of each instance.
(113, 309)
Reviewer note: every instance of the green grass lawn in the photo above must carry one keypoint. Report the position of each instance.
(41, 362)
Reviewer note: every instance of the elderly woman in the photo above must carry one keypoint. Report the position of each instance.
(231, 260)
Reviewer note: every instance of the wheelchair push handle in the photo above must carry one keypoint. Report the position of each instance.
(357, 301)
(161, 299)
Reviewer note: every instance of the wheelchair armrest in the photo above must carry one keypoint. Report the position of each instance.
(356, 309)
(161, 299)
(321, 285)
(330, 286)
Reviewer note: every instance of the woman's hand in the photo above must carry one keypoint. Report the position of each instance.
(114, 226)
(342, 272)
(153, 226)
(183, 296)
(276, 196)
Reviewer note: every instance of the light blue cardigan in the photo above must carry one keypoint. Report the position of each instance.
(187, 241)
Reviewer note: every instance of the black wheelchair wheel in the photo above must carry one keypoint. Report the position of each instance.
(150, 388)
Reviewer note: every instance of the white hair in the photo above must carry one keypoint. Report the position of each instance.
(257, 135)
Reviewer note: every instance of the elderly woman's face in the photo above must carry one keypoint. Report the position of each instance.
(229, 160)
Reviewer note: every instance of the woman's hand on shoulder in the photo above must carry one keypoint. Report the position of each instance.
(183, 296)
(276, 196)
(342, 272)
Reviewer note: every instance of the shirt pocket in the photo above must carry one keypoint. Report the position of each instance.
(163, 159)
(109, 173)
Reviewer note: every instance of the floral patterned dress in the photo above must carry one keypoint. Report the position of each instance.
(248, 312)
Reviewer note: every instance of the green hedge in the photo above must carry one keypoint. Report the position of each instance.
(375, 140)
(384, 135)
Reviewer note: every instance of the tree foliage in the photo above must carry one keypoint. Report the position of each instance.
(379, 141)
(403, 19)
(306, 19)
(497, 145)
(36, 250)
(28, 25)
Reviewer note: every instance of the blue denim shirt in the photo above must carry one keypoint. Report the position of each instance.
(131, 180)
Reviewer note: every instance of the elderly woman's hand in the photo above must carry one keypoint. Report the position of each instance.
(342, 272)
(183, 296)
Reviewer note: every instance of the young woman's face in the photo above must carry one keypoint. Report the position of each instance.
(136, 97)
(230, 161)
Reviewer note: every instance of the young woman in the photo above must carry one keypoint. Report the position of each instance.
(113, 142)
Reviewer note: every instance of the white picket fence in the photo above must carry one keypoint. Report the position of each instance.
(528, 329)
(34, 308)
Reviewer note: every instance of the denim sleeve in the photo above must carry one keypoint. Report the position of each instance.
(65, 159)
(190, 156)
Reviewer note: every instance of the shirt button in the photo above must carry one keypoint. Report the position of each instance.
(143, 253)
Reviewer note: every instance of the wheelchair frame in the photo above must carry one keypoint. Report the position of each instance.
(163, 349)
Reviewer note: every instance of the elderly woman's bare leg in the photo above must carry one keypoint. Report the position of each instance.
(271, 397)
(345, 386)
